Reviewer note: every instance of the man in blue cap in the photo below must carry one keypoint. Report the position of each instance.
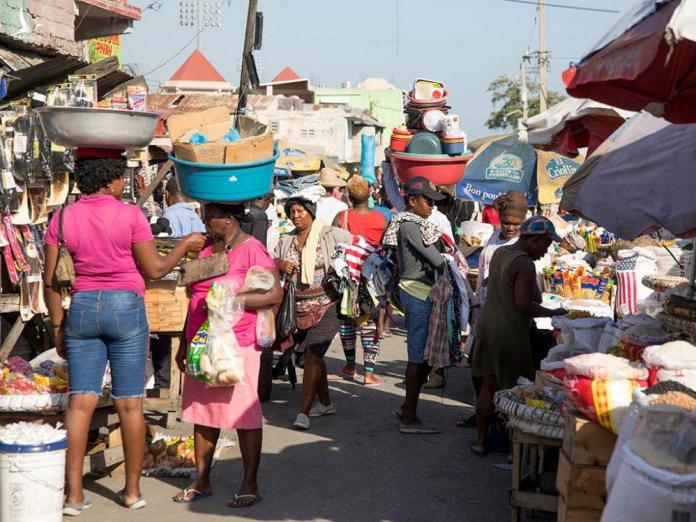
(502, 349)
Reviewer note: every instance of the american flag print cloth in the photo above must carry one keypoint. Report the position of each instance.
(356, 254)
(627, 298)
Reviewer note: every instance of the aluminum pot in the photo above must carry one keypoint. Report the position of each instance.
(98, 128)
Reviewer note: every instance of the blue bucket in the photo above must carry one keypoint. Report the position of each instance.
(226, 182)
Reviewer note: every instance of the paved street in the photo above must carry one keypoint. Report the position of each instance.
(354, 465)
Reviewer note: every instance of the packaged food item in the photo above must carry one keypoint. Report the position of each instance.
(83, 90)
(137, 98)
(119, 102)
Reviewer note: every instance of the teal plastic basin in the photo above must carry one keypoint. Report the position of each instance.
(228, 182)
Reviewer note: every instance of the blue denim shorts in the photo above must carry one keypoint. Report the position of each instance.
(107, 326)
(417, 313)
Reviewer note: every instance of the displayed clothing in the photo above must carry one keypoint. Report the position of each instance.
(437, 346)
(99, 233)
(328, 208)
(227, 407)
(442, 223)
(183, 219)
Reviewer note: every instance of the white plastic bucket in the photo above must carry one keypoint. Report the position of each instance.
(31, 482)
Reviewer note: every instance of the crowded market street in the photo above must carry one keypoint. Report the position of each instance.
(353, 465)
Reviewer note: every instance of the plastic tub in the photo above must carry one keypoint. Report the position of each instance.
(31, 482)
(441, 169)
(425, 143)
(225, 183)
(453, 146)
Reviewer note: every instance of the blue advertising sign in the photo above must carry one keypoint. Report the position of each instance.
(503, 165)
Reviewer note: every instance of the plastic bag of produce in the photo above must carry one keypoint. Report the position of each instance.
(265, 328)
(601, 386)
(261, 280)
(584, 333)
(673, 361)
(643, 493)
(214, 355)
(635, 339)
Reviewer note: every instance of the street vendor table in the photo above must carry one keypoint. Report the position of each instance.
(528, 455)
(104, 454)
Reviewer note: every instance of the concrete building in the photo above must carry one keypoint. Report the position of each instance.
(288, 83)
(197, 76)
(377, 96)
(59, 26)
(331, 131)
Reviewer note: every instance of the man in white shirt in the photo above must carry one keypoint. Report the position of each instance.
(331, 204)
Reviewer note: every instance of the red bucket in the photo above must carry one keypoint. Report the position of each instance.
(441, 169)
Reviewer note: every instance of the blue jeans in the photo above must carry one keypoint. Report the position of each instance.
(417, 315)
(107, 326)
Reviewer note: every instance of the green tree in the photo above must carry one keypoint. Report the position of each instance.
(506, 97)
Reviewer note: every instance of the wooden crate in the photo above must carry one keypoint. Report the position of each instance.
(166, 305)
(587, 443)
(569, 514)
(581, 486)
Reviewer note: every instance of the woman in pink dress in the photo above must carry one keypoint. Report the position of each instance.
(211, 409)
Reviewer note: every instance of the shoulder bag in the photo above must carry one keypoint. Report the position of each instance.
(207, 267)
(65, 268)
(286, 321)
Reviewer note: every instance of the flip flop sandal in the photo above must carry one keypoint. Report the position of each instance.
(197, 495)
(373, 384)
(345, 374)
(138, 504)
(74, 510)
(255, 499)
(477, 452)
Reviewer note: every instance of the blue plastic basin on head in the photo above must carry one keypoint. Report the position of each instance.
(226, 182)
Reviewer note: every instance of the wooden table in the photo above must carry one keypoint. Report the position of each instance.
(168, 401)
(528, 452)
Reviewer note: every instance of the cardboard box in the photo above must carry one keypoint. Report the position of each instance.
(166, 306)
(249, 149)
(586, 442)
(213, 152)
(213, 123)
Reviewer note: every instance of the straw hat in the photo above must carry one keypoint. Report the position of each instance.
(329, 178)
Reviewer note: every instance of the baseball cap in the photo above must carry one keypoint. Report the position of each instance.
(537, 226)
(419, 186)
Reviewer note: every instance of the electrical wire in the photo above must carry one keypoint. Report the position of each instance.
(562, 6)
(175, 55)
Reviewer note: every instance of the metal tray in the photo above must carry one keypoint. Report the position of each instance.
(98, 128)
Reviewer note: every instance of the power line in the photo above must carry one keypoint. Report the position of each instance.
(175, 55)
(575, 7)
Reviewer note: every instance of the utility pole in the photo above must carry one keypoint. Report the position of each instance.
(543, 58)
(248, 46)
(524, 94)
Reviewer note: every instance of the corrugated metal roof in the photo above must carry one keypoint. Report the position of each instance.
(180, 103)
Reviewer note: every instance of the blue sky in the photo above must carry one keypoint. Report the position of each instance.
(464, 43)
